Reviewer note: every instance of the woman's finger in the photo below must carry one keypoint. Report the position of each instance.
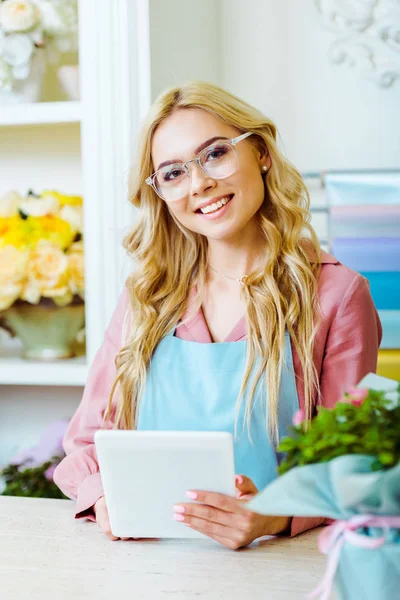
(245, 487)
(231, 538)
(221, 501)
(213, 515)
(103, 521)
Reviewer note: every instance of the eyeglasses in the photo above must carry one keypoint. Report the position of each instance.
(217, 161)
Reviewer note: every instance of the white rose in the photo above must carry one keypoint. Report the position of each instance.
(9, 204)
(58, 17)
(18, 15)
(39, 207)
(16, 49)
(73, 215)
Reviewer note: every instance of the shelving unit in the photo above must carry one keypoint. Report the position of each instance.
(91, 158)
(17, 371)
(41, 113)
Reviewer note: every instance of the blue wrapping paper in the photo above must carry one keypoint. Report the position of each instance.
(368, 574)
(342, 489)
(338, 489)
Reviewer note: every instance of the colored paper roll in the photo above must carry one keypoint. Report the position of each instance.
(385, 289)
(389, 364)
(363, 188)
(365, 221)
(368, 254)
(390, 320)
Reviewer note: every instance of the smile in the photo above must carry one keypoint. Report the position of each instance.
(210, 208)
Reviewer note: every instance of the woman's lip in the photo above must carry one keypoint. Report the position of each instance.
(218, 213)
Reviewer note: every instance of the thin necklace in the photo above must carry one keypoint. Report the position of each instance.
(241, 280)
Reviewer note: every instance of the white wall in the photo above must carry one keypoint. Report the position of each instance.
(275, 56)
(184, 40)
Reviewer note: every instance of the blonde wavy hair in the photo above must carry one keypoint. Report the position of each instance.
(280, 295)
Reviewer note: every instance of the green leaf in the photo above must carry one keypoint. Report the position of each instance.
(372, 428)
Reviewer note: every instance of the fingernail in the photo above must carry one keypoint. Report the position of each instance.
(179, 517)
(191, 495)
(179, 509)
(239, 479)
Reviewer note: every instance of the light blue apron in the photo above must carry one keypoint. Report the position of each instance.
(193, 386)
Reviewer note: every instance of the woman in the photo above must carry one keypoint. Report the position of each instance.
(225, 253)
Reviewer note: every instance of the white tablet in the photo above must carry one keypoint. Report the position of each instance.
(144, 473)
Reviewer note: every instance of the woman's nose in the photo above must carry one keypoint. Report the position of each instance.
(199, 181)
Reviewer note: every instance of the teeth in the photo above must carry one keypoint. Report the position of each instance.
(215, 206)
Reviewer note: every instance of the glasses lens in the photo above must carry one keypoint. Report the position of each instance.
(172, 182)
(219, 161)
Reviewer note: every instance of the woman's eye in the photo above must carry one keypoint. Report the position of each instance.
(216, 153)
(174, 174)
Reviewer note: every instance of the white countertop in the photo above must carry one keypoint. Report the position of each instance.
(45, 554)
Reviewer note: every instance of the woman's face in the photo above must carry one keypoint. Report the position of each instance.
(178, 139)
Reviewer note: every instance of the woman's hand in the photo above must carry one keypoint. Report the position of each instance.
(224, 518)
(103, 520)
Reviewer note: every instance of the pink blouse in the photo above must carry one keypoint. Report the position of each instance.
(346, 349)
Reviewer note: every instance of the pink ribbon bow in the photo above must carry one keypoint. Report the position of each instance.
(332, 538)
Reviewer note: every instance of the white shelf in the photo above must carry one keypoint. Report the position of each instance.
(40, 113)
(14, 370)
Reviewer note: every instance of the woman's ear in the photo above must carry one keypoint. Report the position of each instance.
(264, 159)
(267, 162)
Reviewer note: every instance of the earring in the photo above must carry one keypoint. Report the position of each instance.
(265, 168)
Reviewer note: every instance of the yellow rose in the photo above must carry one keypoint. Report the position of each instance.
(76, 265)
(13, 274)
(28, 233)
(48, 274)
(21, 233)
(56, 231)
(4, 225)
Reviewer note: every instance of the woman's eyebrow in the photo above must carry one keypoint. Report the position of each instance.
(197, 150)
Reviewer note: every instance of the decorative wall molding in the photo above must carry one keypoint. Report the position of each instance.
(368, 36)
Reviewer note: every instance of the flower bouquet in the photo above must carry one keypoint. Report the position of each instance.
(30, 473)
(345, 465)
(31, 33)
(42, 271)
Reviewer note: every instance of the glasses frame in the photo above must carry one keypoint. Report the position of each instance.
(231, 142)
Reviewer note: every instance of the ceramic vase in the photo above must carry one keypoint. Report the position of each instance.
(47, 331)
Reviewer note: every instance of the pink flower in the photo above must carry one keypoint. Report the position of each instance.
(49, 473)
(355, 395)
(298, 417)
